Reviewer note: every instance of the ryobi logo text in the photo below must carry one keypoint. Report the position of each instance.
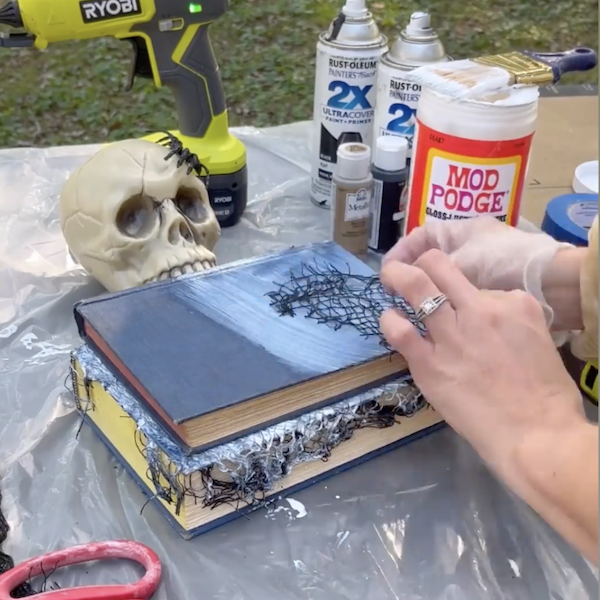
(101, 10)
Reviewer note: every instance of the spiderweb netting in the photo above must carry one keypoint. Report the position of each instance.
(7, 563)
(243, 472)
(339, 299)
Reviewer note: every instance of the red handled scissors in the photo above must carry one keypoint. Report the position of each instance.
(41, 565)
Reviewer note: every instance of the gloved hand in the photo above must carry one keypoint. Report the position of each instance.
(483, 352)
(489, 367)
(491, 254)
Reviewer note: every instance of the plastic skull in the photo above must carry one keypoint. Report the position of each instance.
(131, 216)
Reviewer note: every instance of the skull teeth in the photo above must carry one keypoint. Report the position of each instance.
(185, 269)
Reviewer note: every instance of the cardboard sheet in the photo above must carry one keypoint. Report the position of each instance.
(566, 136)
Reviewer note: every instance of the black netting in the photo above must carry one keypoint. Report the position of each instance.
(245, 479)
(183, 155)
(339, 299)
(6, 561)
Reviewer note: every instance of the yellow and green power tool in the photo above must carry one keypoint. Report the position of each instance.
(172, 47)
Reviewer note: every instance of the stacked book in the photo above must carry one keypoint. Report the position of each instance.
(221, 390)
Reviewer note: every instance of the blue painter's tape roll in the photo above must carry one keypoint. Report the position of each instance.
(569, 217)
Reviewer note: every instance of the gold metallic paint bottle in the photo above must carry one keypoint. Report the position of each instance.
(351, 196)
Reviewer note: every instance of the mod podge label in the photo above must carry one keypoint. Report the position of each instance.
(458, 178)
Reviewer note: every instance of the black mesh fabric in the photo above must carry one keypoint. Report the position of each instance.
(6, 561)
(339, 299)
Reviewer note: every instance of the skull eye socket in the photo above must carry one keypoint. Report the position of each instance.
(189, 203)
(136, 217)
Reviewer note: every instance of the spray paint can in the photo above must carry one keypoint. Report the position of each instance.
(390, 187)
(348, 55)
(397, 97)
(351, 195)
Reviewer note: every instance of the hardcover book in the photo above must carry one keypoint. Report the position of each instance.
(220, 354)
(199, 492)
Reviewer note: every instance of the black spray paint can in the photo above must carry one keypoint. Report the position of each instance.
(390, 179)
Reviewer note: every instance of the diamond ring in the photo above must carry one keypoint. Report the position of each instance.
(430, 305)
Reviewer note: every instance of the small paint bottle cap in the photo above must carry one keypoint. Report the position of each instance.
(390, 153)
(353, 161)
(585, 179)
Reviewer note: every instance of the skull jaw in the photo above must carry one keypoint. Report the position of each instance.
(182, 262)
(134, 271)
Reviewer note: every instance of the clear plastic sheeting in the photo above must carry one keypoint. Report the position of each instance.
(425, 522)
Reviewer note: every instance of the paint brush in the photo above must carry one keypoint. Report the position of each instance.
(488, 74)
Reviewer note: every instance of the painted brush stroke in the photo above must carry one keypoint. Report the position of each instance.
(236, 299)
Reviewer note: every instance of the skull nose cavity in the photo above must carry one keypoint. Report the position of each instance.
(179, 231)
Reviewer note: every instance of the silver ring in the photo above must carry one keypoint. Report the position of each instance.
(429, 306)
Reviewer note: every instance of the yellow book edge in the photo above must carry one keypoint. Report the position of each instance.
(120, 431)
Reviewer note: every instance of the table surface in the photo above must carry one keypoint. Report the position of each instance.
(426, 521)
(566, 136)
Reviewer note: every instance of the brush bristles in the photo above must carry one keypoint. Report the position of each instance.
(478, 78)
(522, 69)
(461, 79)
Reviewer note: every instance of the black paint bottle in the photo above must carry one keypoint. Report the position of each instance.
(390, 179)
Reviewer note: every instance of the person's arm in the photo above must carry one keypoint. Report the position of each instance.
(556, 473)
(490, 367)
(570, 288)
(561, 287)
(585, 344)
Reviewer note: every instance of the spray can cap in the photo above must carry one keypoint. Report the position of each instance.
(355, 9)
(419, 25)
(390, 153)
(355, 27)
(418, 43)
(353, 161)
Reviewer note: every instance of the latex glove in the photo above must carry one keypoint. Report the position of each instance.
(489, 366)
(492, 255)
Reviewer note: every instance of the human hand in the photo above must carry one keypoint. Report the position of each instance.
(496, 256)
(488, 363)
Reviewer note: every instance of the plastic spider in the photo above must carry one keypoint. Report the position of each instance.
(184, 156)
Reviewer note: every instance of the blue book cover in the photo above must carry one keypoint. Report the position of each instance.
(218, 354)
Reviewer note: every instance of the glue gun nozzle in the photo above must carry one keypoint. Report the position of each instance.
(11, 15)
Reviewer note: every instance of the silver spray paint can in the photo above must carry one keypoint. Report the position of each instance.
(348, 56)
(397, 97)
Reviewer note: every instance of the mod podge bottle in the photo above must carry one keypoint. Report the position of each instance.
(470, 157)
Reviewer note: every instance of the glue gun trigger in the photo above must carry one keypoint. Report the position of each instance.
(140, 62)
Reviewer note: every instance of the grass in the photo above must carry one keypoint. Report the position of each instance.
(73, 92)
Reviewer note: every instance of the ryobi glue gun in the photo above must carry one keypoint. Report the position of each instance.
(172, 47)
